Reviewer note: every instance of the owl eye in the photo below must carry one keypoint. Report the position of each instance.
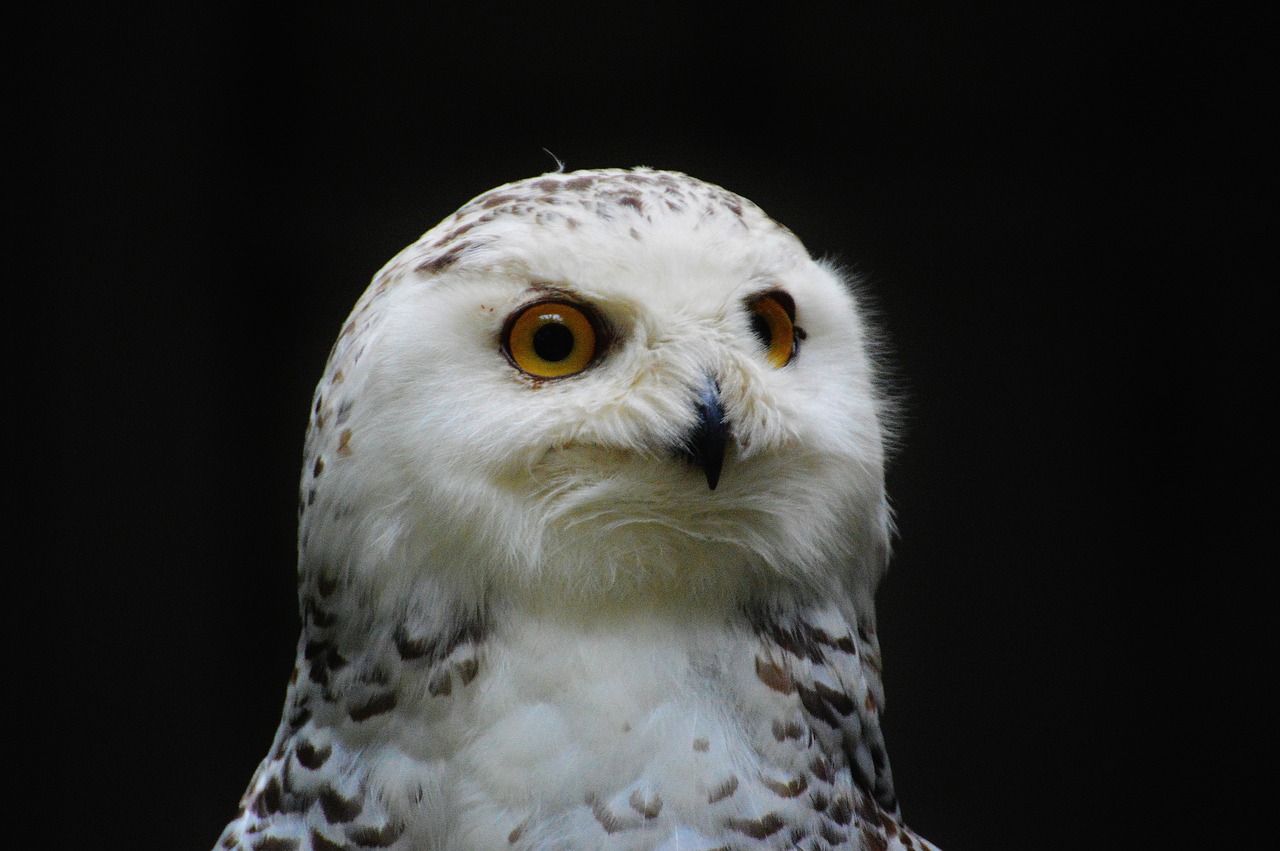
(550, 339)
(772, 321)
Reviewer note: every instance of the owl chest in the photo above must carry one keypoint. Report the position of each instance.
(557, 713)
(624, 738)
(561, 730)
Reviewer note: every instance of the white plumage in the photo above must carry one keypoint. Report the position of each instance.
(592, 518)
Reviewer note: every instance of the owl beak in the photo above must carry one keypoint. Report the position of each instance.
(705, 443)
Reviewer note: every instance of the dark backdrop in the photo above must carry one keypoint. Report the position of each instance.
(230, 178)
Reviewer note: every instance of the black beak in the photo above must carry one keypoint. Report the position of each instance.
(705, 443)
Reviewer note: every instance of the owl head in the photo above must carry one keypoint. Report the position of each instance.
(612, 386)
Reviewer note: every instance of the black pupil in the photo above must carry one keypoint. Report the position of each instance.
(553, 342)
(760, 327)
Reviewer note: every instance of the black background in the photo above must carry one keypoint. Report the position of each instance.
(230, 178)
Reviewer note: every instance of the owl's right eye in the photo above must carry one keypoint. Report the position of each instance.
(550, 339)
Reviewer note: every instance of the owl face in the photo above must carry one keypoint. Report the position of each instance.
(603, 385)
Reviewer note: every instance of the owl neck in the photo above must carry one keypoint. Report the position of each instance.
(677, 582)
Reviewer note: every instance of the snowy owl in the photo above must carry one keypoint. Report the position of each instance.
(592, 515)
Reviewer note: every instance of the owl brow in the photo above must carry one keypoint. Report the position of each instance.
(545, 289)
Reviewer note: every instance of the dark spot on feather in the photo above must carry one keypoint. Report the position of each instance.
(411, 648)
(841, 809)
(798, 639)
(318, 674)
(723, 791)
(337, 809)
(270, 796)
(491, 201)
(823, 769)
(455, 233)
(647, 807)
(879, 758)
(376, 705)
(344, 442)
(440, 262)
(259, 806)
(440, 684)
(866, 809)
(767, 825)
(319, 616)
(467, 670)
(817, 706)
(833, 834)
(382, 837)
(320, 842)
(603, 815)
(873, 841)
(865, 783)
(839, 701)
(275, 843)
(774, 676)
(436, 647)
(787, 730)
(326, 583)
(309, 756)
(790, 789)
(845, 642)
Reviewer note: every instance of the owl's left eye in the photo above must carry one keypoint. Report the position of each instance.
(550, 339)
(773, 323)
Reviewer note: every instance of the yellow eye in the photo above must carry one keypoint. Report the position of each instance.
(772, 318)
(550, 339)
